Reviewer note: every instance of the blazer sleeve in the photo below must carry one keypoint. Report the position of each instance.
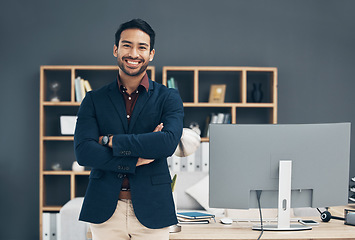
(155, 145)
(87, 149)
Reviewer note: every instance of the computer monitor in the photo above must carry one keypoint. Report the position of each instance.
(246, 158)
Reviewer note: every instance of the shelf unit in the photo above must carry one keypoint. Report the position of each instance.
(58, 187)
(196, 82)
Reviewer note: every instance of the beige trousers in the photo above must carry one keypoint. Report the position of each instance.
(124, 225)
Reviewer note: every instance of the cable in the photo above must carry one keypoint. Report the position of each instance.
(258, 194)
(319, 211)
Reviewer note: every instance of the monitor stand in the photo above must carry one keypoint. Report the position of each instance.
(284, 203)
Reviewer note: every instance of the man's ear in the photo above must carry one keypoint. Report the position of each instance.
(115, 50)
(151, 55)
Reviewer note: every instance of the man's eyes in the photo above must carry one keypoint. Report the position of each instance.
(142, 48)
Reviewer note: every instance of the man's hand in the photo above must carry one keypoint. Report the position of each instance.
(159, 128)
(143, 161)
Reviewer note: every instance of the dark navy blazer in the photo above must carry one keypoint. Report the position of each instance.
(103, 112)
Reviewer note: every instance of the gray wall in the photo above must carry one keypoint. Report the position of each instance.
(310, 42)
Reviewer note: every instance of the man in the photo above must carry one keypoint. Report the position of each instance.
(124, 132)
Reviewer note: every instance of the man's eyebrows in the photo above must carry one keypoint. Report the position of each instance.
(125, 41)
(129, 42)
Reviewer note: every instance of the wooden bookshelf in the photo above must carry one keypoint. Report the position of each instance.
(238, 101)
(56, 187)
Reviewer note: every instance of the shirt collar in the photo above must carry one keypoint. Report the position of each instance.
(144, 82)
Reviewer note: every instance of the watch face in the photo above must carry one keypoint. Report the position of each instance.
(105, 140)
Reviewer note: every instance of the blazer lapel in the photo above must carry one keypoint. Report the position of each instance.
(118, 102)
(140, 104)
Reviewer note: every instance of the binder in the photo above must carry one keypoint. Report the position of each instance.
(191, 162)
(198, 161)
(45, 225)
(183, 164)
(59, 229)
(175, 163)
(53, 226)
(205, 156)
(170, 162)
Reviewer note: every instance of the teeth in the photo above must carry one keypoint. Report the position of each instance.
(135, 63)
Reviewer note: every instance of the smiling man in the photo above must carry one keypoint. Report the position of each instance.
(124, 132)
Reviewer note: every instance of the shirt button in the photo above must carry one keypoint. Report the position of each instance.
(137, 91)
(129, 98)
(128, 116)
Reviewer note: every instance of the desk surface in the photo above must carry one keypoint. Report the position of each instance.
(334, 229)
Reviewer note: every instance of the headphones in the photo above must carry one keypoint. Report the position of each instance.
(326, 216)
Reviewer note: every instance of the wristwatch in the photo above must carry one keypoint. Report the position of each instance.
(106, 140)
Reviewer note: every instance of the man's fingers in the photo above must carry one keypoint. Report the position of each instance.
(158, 128)
(142, 161)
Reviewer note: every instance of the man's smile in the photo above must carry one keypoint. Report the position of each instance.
(132, 63)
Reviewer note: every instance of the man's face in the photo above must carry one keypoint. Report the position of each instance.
(133, 52)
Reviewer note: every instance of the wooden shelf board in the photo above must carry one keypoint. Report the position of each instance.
(58, 138)
(201, 104)
(81, 173)
(49, 172)
(63, 103)
(220, 68)
(65, 173)
(52, 208)
(251, 105)
(256, 105)
(56, 67)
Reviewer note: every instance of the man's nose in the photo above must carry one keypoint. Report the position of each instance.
(134, 52)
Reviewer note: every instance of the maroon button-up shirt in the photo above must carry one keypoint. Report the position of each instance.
(130, 101)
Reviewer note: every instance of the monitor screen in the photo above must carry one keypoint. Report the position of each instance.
(245, 158)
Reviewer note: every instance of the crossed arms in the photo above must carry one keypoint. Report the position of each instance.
(141, 161)
(128, 150)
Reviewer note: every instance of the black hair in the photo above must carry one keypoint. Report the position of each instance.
(136, 24)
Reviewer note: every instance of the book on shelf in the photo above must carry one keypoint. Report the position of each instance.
(77, 89)
(221, 118)
(205, 130)
(87, 86)
(172, 83)
(82, 86)
(227, 118)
